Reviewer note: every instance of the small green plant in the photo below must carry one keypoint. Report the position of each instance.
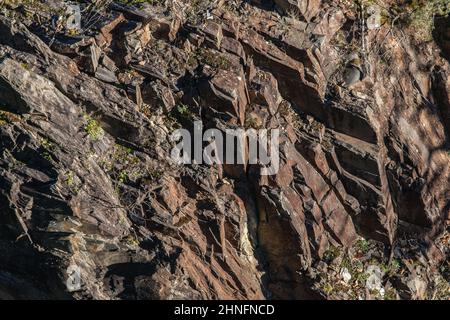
(391, 268)
(47, 148)
(421, 18)
(46, 144)
(132, 241)
(25, 66)
(328, 288)
(123, 175)
(123, 165)
(363, 245)
(47, 156)
(93, 128)
(331, 254)
(72, 32)
(8, 117)
(70, 180)
(252, 123)
(361, 277)
(183, 109)
(216, 61)
(211, 58)
(155, 174)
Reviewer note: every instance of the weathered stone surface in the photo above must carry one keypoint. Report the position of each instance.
(87, 182)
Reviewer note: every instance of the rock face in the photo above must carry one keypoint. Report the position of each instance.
(93, 207)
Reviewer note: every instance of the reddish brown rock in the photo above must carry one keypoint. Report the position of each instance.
(87, 182)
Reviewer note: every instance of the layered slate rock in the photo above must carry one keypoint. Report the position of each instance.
(87, 182)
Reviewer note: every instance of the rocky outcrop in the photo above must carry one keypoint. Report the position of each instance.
(93, 207)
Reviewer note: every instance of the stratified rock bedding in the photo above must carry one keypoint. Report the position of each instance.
(88, 188)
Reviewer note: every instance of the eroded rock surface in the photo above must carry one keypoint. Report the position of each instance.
(88, 188)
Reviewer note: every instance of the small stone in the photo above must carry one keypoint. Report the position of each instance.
(95, 56)
(374, 20)
(345, 274)
(351, 76)
(74, 20)
(374, 280)
(105, 75)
